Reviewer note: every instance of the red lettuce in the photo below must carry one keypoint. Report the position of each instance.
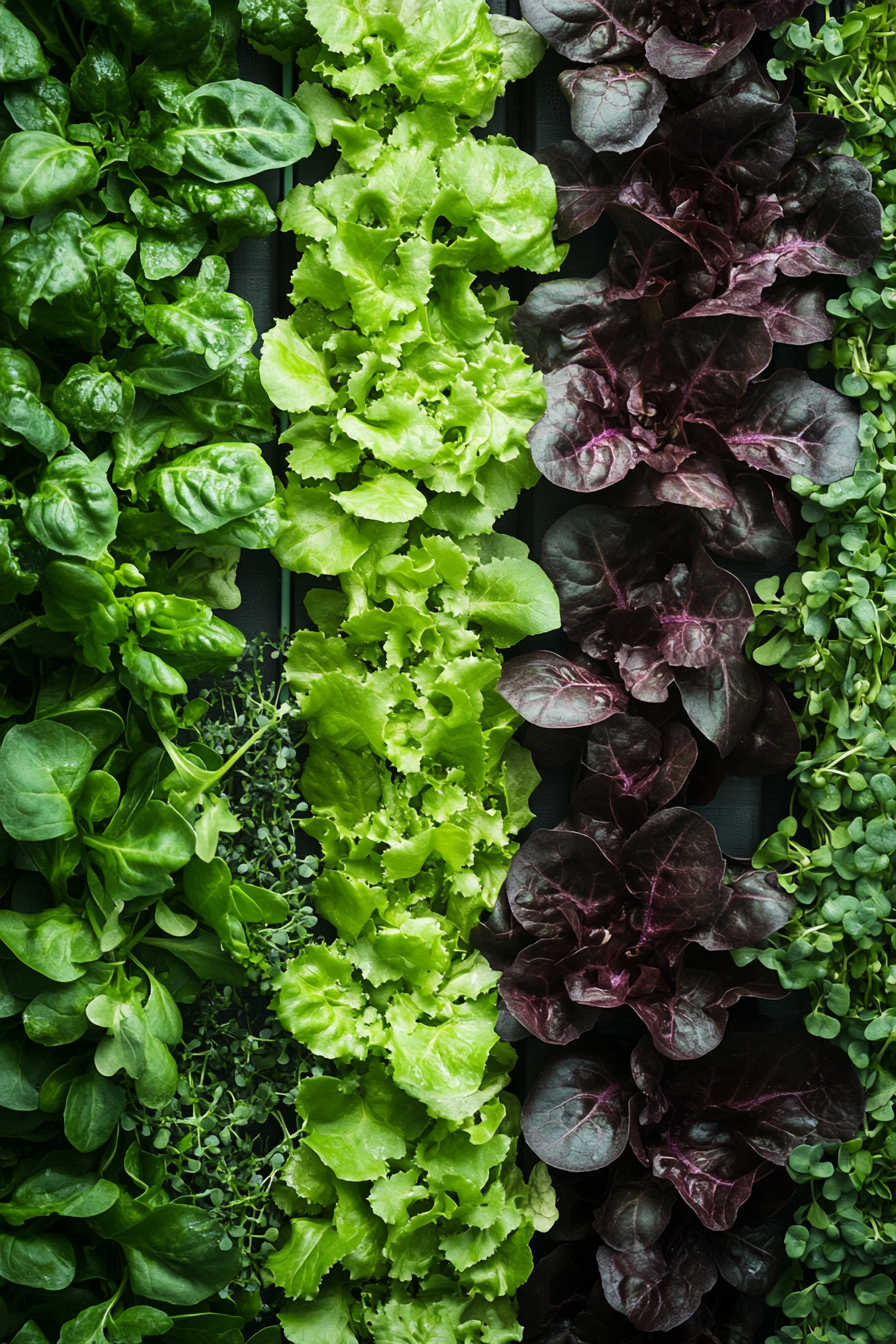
(647, 606)
(671, 401)
(589, 922)
(652, 40)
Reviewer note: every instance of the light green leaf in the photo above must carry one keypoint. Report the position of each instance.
(294, 375)
(386, 499)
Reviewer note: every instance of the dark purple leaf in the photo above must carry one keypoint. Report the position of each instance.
(790, 426)
(793, 314)
(756, 527)
(816, 133)
(722, 701)
(808, 181)
(769, 13)
(559, 881)
(674, 866)
(679, 758)
(624, 752)
(755, 906)
(576, 443)
(552, 692)
(648, 1073)
(499, 937)
(565, 320)
(591, 30)
(705, 614)
(576, 1115)
(592, 556)
(635, 1215)
(841, 237)
(690, 1022)
(708, 361)
(613, 108)
(772, 742)
(584, 185)
(750, 1102)
(662, 1286)
(750, 1258)
(687, 60)
(745, 137)
(533, 991)
(698, 482)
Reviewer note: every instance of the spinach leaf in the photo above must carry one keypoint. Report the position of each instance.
(231, 129)
(38, 169)
(43, 767)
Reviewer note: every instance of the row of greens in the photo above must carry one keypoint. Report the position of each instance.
(728, 201)
(130, 411)
(826, 632)
(409, 405)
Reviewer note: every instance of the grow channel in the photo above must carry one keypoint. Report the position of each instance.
(249, 1091)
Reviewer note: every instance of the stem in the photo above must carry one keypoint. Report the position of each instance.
(17, 629)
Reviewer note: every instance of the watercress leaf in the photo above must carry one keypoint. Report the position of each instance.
(232, 129)
(211, 486)
(576, 1116)
(39, 170)
(73, 509)
(43, 766)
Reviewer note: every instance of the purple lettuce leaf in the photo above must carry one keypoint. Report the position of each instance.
(576, 1116)
(772, 741)
(707, 362)
(745, 137)
(755, 906)
(721, 700)
(614, 109)
(591, 30)
(552, 692)
(792, 314)
(691, 1021)
(575, 444)
(635, 1214)
(674, 867)
(769, 13)
(631, 759)
(679, 59)
(559, 882)
(661, 1286)
(750, 1258)
(584, 185)
(756, 527)
(593, 555)
(791, 426)
(743, 1109)
(533, 991)
(563, 321)
(499, 936)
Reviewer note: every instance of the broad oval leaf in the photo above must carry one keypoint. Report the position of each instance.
(678, 59)
(511, 598)
(21, 56)
(73, 510)
(591, 30)
(662, 1286)
(174, 1255)
(614, 109)
(44, 1260)
(211, 486)
(791, 426)
(552, 692)
(674, 866)
(232, 129)
(559, 882)
(576, 1115)
(43, 766)
(38, 170)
